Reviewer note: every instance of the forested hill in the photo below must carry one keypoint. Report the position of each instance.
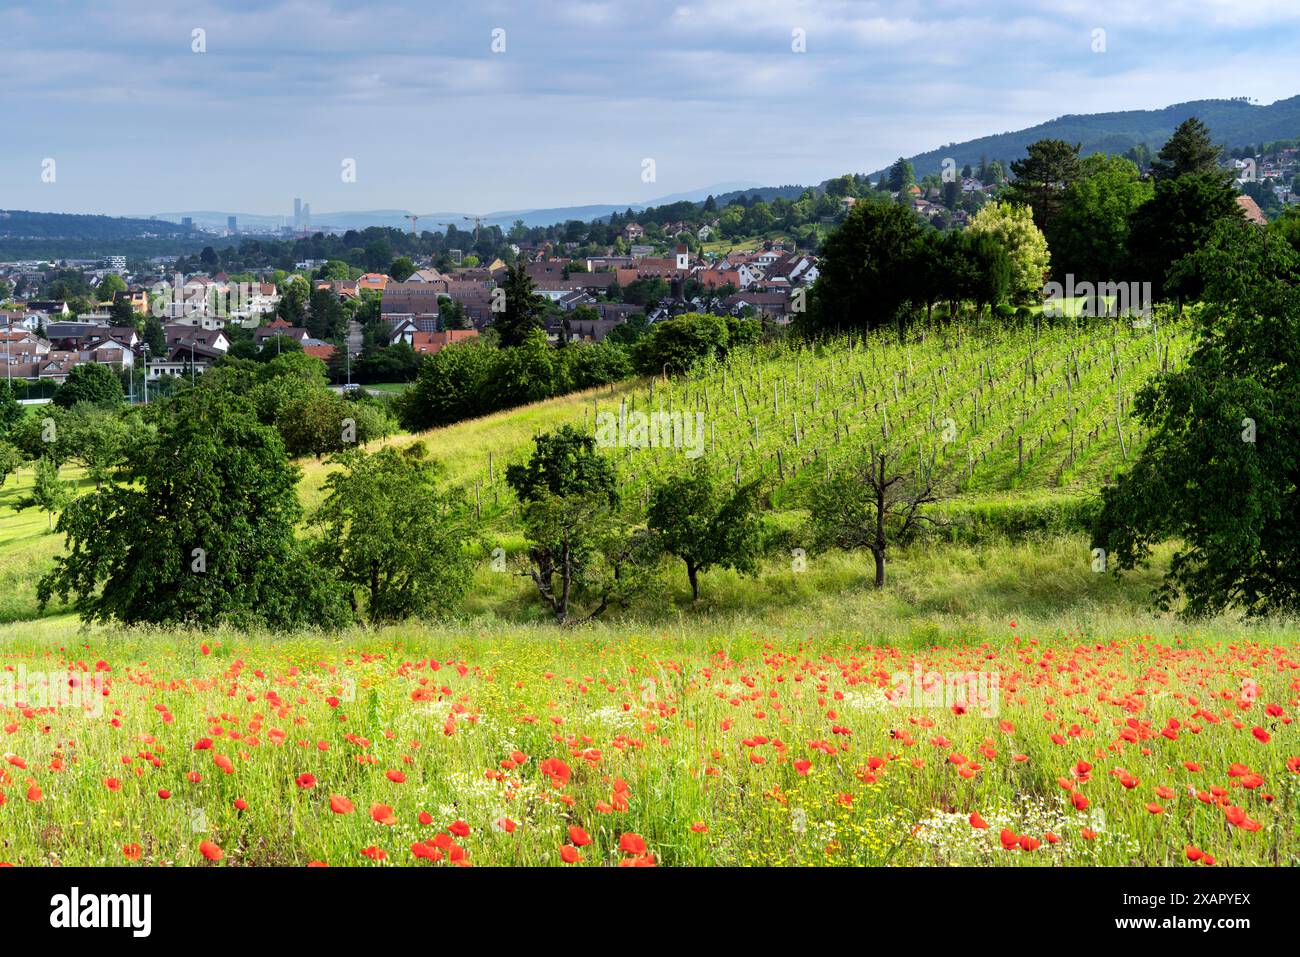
(1232, 123)
(21, 224)
(33, 235)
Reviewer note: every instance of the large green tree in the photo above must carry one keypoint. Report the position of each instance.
(584, 554)
(523, 310)
(901, 175)
(1041, 178)
(1177, 221)
(89, 382)
(388, 531)
(1014, 229)
(203, 534)
(1089, 237)
(707, 522)
(860, 281)
(1190, 151)
(1220, 473)
(11, 410)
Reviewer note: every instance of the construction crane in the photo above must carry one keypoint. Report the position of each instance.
(476, 220)
(414, 219)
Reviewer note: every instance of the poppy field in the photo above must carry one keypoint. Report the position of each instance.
(409, 747)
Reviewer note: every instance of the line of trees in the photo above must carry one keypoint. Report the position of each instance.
(1097, 219)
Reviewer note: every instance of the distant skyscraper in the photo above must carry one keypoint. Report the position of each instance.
(232, 226)
(187, 222)
(306, 214)
(297, 212)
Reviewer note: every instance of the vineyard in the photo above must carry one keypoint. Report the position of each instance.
(993, 411)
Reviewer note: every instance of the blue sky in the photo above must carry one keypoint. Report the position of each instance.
(712, 91)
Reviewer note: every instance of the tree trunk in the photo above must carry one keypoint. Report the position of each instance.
(693, 574)
(879, 555)
(566, 582)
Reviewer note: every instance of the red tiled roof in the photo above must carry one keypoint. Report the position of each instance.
(1252, 211)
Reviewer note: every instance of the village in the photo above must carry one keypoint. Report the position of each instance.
(156, 327)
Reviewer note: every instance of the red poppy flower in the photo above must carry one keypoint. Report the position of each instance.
(341, 805)
(556, 770)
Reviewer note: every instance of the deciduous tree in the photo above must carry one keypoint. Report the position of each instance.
(707, 522)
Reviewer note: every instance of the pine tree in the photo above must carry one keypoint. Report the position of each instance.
(1190, 150)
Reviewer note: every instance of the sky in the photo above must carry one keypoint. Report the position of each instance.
(241, 105)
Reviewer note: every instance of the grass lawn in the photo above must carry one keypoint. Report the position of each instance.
(27, 546)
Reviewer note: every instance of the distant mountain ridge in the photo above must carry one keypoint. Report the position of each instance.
(1231, 122)
(396, 218)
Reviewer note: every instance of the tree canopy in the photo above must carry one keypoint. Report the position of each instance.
(203, 535)
(1219, 472)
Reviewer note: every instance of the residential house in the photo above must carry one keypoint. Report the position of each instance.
(51, 307)
(410, 299)
(1252, 211)
(427, 343)
(109, 351)
(321, 350)
(279, 327)
(773, 304)
(180, 334)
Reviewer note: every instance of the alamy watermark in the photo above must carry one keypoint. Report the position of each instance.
(1099, 299)
(21, 688)
(966, 690)
(657, 430)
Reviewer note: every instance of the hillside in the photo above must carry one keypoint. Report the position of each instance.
(1232, 122)
(1001, 411)
(1024, 426)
